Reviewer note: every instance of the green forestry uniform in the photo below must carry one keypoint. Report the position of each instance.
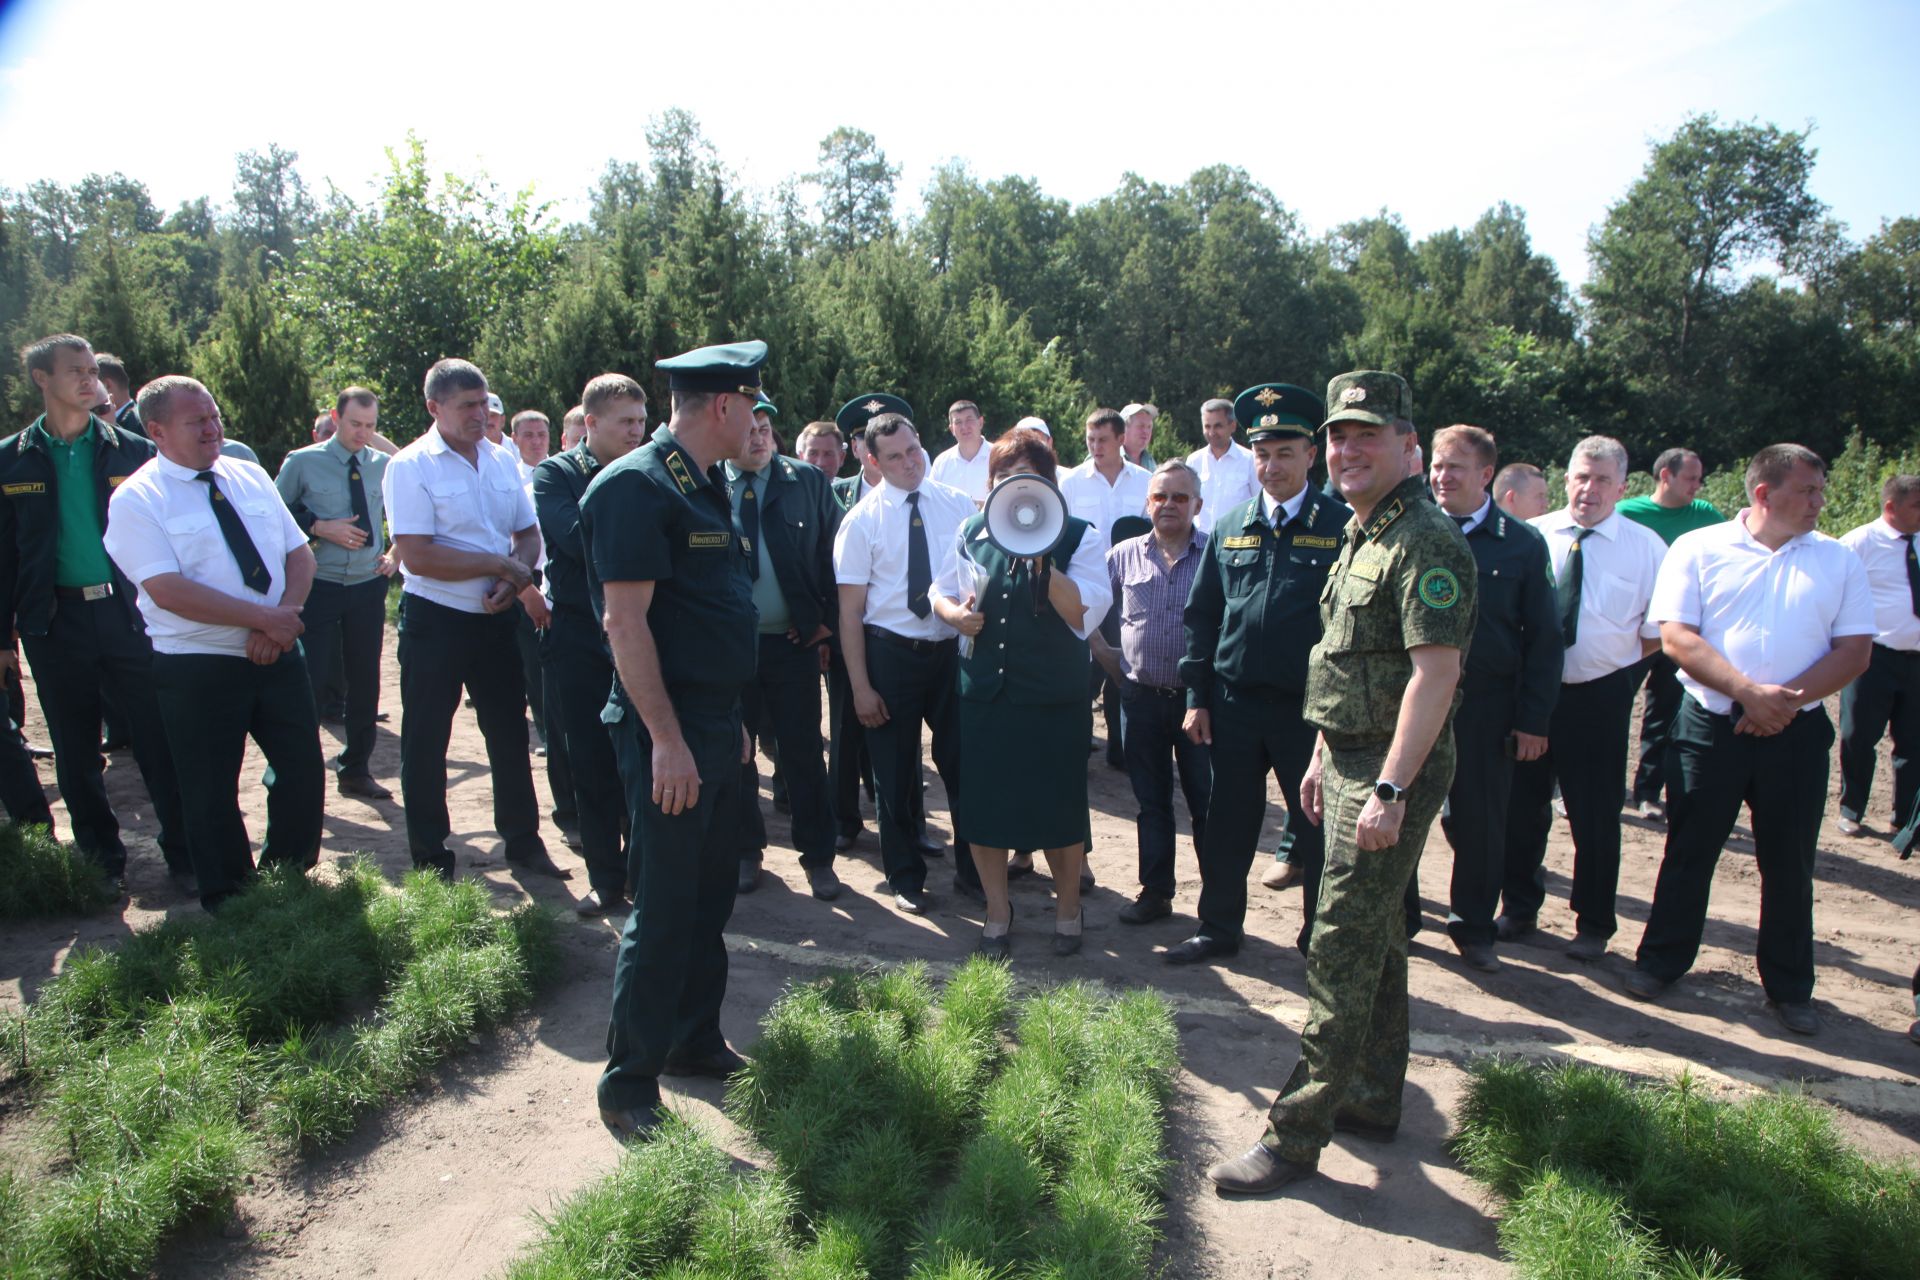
(1251, 620)
(655, 516)
(1024, 724)
(1405, 578)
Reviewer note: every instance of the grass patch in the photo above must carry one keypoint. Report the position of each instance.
(41, 877)
(956, 1136)
(176, 1065)
(1609, 1177)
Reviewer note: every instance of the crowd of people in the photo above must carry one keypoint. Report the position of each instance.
(1423, 636)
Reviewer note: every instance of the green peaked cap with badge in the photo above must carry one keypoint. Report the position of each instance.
(731, 367)
(1368, 395)
(1275, 410)
(766, 406)
(857, 412)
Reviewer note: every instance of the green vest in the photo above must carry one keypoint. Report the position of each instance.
(1034, 658)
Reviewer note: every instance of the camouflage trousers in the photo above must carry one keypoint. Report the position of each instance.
(1353, 1052)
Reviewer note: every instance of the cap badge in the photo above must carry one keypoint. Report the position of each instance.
(1353, 395)
(873, 406)
(1269, 420)
(1267, 395)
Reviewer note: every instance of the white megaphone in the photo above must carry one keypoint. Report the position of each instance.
(1025, 516)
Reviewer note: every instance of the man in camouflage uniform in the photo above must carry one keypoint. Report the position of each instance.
(1396, 614)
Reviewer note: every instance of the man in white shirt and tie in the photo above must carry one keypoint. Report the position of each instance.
(1887, 694)
(1224, 464)
(465, 530)
(1603, 571)
(964, 466)
(1765, 617)
(223, 570)
(901, 658)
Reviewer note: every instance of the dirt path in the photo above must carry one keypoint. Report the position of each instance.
(445, 1183)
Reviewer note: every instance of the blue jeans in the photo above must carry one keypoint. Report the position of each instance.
(1155, 746)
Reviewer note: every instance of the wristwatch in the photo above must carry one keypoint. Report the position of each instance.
(1387, 793)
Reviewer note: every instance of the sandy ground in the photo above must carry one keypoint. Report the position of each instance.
(447, 1182)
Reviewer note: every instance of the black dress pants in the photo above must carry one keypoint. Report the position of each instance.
(1156, 747)
(1475, 818)
(848, 760)
(783, 701)
(442, 651)
(1885, 699)
(919, 682)
(91, 647)
(579, 676)
(1254, 734)
(211, 704)
(1664, 692)
(1783, 781)
(353, 618)
(1587, 753)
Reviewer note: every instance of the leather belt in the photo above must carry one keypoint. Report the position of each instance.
(99, 591)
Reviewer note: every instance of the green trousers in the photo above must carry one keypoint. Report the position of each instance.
(1353, 1052)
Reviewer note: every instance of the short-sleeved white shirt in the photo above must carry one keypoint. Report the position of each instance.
(871, 551)
(1883, 552)
(968, 477)
(162, 521)
(1086, 567)
(1771, 614)
(1621, 561)
(1224, 482)
(1090, 497)
(431, 491)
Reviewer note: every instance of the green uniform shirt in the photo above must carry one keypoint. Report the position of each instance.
(1670, 522)
(80, 558)
(654, 516)
(1405, 578)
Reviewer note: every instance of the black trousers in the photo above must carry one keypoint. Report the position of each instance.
(90, 647)
(1587, 753)
(1885, 699)
(20, 790)
(1253, 735)
(919, 684)
(1475, 818)
(670, 974)
(211, 704)
(1783, 782)
(579, 676)
(443, 650)
(349, 621)
(783, 701)
(1664, 693)
(526, 638)
(1156, 747)
(848, 760)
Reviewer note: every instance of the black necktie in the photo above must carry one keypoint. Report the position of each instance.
(919, 563)
(1568, 589)
(750, 523)
(253, 570)
(1463, 522)
(1913, 574)
(357, 494)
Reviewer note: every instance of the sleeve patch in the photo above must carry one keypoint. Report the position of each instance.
(1439, 589)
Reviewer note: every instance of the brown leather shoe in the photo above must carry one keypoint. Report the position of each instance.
(1261, 1169)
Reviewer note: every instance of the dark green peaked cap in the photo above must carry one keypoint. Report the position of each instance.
(857, 412)
(732, 367)
(1275, 409)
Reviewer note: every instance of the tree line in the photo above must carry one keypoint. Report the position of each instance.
(1724, 308)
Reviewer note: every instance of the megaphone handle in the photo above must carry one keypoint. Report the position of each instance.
(1041, 581)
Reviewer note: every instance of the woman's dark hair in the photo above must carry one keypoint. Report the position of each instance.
(1022, 451)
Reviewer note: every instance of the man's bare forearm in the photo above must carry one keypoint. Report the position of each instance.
(1842, 665)
(299, 573)
(1693, 655)
(196, 602)
(425, 558)
(1423, 712)
(526, 546)
(853, 637)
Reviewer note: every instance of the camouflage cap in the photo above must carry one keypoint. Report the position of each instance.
(1367, 395)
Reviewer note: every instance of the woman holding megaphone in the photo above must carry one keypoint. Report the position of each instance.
(1026, 584)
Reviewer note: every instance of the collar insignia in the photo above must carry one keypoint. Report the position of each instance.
(1386, 516)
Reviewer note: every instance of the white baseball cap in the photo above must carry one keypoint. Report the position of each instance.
(1037, 424)
(494, 404)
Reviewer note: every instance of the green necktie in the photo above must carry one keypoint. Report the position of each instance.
(253, 570)
(919, 562)
(1568, 588)
(750, 523)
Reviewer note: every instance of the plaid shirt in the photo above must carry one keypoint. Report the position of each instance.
(1152, 597)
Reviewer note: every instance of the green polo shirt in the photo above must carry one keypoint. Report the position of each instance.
(1670, 522)
(80, 557)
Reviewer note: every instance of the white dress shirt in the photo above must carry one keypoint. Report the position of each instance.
(1087, 567)
(1090, 497)
(162, 521)
(1223, 481)
(1883, 551)
(968, 477)
(871, 551)
(432, 491)
(1771, 614)
(1478, 518)
(1621, 561)
(1278, 513)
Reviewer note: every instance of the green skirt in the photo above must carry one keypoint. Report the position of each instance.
(1023, 774)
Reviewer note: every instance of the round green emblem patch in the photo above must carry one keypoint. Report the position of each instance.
(1439, 589)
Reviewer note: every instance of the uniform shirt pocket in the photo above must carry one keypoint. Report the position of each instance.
(1240, 571)
(501, 492)
(1351, 599)
(1616, 599)
(195, 538)
(451, 503)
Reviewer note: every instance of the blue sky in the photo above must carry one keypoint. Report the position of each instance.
(1433, 111)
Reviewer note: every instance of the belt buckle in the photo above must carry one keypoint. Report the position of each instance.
(99, 591)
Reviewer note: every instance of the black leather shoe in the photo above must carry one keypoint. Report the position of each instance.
(1587, 947)
(1261, 1169)
(722, 1064)
(1345, 1122)
(441, 864)
(595, 904)
(928, 847)
(1512, 928)
(1797, 1016)
(1642, 985)
(1145, 909)
(1479, 955)
(823, 884)
(630, 1125)
(536, 863)
(1198, 948)
(749, 876)
(361, 786)
(845, 840)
